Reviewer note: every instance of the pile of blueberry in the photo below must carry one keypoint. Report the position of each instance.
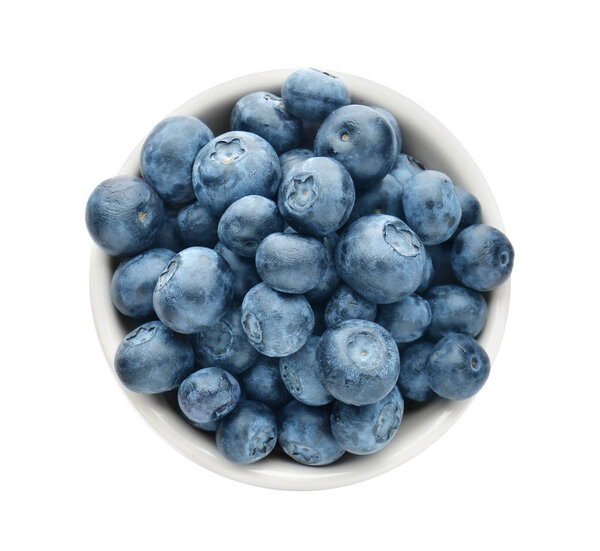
(280, 286)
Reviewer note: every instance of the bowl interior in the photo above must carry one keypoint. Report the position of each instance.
(427, 140)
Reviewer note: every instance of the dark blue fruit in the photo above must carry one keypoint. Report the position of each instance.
(194, 290)
(233, 165)
(381, 258)
(247, 434)
(311, 95)
(361, 139)
(264, 114)
(247, 221)
(300, 374)
(168, 155)
(133, 282)
(455, 309)
(317, 196)
(470, 208)
(208, 395)
(305, 434)
(458, 367)
(277, 324)
(124, 215)
(482, 257)
(358, 362)
(291, 263)
(367, 429)
(153, 359)
(413, 382)
(431, 207)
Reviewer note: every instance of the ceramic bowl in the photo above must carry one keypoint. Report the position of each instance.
(426, 139)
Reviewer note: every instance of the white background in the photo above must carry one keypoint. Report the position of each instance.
(82, 82)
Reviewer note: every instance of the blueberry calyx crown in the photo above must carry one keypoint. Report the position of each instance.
(252, 327)
(141, 335)
(402, 240)
(228, 151)
(217, 340)
(168, 272)
(260, 443)
(387, 422)
(302, 193)
(288, 374)
(365, 349)
(304, 453)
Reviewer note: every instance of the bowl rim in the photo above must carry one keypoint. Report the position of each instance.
(288, 475)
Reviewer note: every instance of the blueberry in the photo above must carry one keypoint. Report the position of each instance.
(225, 344)
(317, 196)
(247, 221)
(431, 207)
(264, 114)
(470, 208)
(276, 324)
(168, 155)
(381, 258)
(361, 139)
(293, 157)
(169, 236)
(358, 362)
(244, 271)
(233, 165)
(197, 226)
(248, 434)
(406, 320)
(263, 383)
(301, 377)
(194, 290)
(347, 304)
(153, 359)
(405, 168)
(393, 123)
(413, 382)
(133, 282)
(482, 257)
(331, 278)
(440, 260)
(211, 426)
(428, 274)
(312, 95)
(384, 197)
(455, 309)
(305, 434)
(291, 263)
(124, 215)
(208, 395)
(458, 367)
(367, 429)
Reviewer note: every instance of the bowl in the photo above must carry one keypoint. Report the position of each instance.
(426, 139)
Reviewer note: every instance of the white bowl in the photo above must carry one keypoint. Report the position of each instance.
(427, 140)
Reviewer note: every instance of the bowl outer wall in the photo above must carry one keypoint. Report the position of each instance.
(427, 140)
